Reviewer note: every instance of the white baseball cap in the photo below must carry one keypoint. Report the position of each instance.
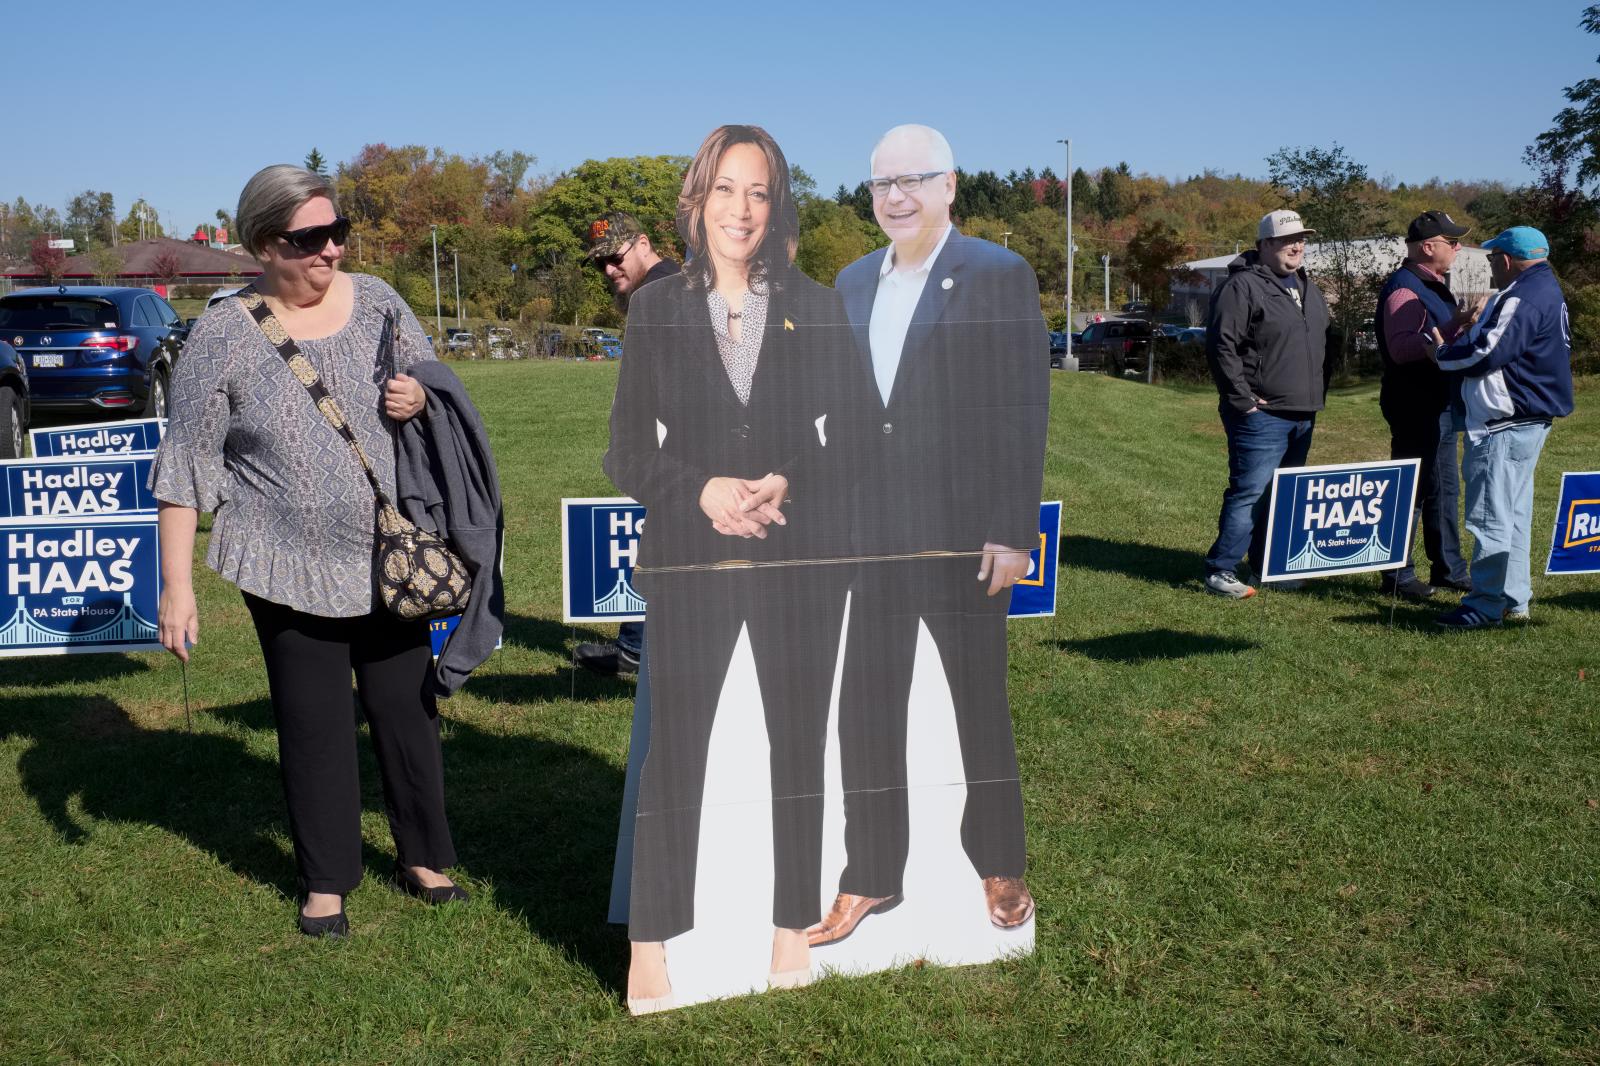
(1281, 223)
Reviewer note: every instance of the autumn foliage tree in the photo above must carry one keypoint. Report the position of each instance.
(48, 260)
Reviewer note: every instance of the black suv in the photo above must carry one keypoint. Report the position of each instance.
(13, 402)
(1114, 345)
(95, 348)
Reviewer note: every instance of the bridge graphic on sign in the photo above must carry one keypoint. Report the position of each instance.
(125, 627)
(1310, 558)
(621, 599)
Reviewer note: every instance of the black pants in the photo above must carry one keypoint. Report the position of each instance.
(1415, 435)
(794, 617)
(309, 661)
(969, 628)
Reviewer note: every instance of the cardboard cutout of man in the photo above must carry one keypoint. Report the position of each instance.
(949, 329)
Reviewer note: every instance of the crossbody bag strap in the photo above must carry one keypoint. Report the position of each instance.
(307, 375)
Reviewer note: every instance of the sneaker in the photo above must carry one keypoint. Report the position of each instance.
(1226, 583)
(609, 660)
(1516, 614)
(1465, 618)
(1412, 588)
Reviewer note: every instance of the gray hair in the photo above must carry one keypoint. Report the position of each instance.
(940, 157)
(270, 200)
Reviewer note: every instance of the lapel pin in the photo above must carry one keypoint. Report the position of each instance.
(946, 283)
(788, 325)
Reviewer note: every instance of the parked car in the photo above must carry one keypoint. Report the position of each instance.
(1136, 307)
(1058, 348)
(610, 346)
(99, 348)
(14, 407)
(1114, 345)
(502, 343)
(1192, 335)
(1170, 329)
(459, 340)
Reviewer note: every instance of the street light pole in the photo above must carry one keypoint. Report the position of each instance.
(1105, 266)
(457, 257)
(438, 306)
(1005, 239)
(1068, 142)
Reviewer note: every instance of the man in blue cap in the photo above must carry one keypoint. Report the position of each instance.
(1513, 369)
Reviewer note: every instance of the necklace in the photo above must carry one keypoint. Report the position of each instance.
(734, 315)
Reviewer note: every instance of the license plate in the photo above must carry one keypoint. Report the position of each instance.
(45, 359)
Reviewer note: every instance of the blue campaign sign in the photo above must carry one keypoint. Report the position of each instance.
(98, 438)
(79, 585)
(1034, 596)
(1327, 520)
(1575, 542)
(75, 488)
(599, 547)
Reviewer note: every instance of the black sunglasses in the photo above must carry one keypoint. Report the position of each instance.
(313, 239)
(615, 259)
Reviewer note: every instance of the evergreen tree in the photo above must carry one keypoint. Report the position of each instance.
(316, 164)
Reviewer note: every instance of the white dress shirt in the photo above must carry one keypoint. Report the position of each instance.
(898, 293)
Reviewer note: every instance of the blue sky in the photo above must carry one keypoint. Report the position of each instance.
(1173, 88)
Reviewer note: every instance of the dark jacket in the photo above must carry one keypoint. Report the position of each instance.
(1265, 350)
(1416, 389)
(446, 482)
(955, 459)
(676, 422)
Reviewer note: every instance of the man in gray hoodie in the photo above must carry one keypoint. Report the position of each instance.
(1266, 345)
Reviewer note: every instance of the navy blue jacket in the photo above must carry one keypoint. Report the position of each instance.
(1515, 363)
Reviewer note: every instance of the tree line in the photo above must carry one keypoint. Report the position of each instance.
(516, 237)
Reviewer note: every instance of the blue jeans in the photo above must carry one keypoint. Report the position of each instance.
(1500, 516)
(630, 638)
(1258, 443)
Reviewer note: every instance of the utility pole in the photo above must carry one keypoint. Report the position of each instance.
(1005, 239)
(457, 256)
(1068, 143)
(1105, 267)
(438, 305)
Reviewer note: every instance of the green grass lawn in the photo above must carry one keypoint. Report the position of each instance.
(1280, 830)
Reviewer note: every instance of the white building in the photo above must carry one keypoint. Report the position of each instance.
(1469, 276)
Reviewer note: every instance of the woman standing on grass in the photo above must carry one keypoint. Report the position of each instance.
(294, 530)
(730, 366)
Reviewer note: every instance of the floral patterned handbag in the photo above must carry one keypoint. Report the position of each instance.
(417, 575)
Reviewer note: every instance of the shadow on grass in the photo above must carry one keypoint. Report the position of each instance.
(1153, 644)
(42, 671)
(1574, 600)
(567, 682)
(1147, 562)
(535, 817)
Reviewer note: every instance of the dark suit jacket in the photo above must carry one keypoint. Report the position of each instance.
(956, 457)
(672, 373)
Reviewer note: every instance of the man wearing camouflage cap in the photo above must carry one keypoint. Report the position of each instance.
(621, 250)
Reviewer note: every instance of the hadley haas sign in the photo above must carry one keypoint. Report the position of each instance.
(1328, 520)
(78, 584)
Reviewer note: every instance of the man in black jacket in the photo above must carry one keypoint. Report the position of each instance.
(1266, 345)
(621, 250)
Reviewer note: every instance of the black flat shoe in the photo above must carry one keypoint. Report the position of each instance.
(331, 927)
(407, 882)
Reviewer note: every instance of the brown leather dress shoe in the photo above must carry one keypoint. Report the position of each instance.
(847, 912)
(1010, 902)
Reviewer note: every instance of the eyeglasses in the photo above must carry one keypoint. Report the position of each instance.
(614, 259)
(313, 239)
(908, 183)
(1453, 242)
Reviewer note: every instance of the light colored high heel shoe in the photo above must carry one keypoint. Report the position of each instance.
(795, 978)
(638, 1006)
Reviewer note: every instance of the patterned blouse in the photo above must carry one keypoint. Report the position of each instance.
(294, 512)
(740, 359)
